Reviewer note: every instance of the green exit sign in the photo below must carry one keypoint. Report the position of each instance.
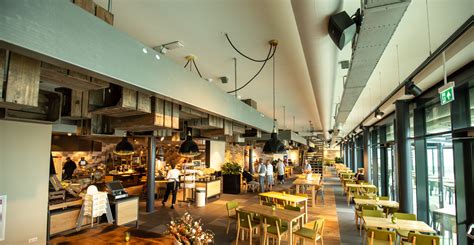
(446, 93)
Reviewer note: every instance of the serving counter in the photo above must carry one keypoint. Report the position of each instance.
(212, 187)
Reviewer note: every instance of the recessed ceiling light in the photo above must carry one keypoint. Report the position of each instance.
(262, 115)
(69, 134)
(209, 80)
(144, 50)
(157, 57)
(239, 97)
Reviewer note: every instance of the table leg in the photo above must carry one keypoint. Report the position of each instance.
(297, 188)
(313, 195)
(290, 234)
(306, 210)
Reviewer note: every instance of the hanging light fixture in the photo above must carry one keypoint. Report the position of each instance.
(379, 114)
(274, 145)
(124, 148)
(188, 148)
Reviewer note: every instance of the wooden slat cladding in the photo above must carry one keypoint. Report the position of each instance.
(212, 122)
(165, 115)
(130, 102)
(104, 15)
(20, 86)
(87, 5)
(70, 79)
(3, 68)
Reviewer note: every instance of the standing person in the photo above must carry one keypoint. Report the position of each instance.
(172, 185)
(281, 171)
(261, 170)
(69, 168)
(269, 175)
(307, 167)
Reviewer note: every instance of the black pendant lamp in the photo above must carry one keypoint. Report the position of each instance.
(189, 148)
(124, 148)
(274, 145)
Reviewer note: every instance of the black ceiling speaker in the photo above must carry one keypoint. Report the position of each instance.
(412, 89)
(124, 147)
(341, 29)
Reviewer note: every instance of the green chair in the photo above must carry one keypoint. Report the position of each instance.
(358, 213)
(421, 239)
(389, 210)
(351, 192)
(273, 228)
(268, 204)
(361, 196)
(314, 234)
(295, 223)
(380, 237)
(370, 213)
(231, 215)
(244, 222)
(384, 198)
(373, 213)
(404, 216)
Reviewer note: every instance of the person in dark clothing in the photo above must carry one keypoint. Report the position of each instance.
(248, 177)
(172, 185)
(69, 168)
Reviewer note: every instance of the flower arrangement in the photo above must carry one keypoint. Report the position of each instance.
(188, 231)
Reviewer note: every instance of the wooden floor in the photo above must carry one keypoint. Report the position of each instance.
(214, 215)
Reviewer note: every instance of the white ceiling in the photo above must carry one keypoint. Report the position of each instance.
(200, 26)
(309, 78)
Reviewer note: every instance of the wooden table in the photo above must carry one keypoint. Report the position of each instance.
(111, 234)
(284, 214)
(303, 176)
(289, 198)
(361, 186)
(383, 203)
(313, 183)
(386, 223)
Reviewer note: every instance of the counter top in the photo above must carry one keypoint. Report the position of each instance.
(112, 234)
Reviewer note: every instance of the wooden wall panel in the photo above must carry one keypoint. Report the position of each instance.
(87, 5)
(144, 102)
(129, 98)
(159, 111)
(168, 114)
(104, 15)
(76, 103)
(175, 117)
(23, 80)
(3, 58)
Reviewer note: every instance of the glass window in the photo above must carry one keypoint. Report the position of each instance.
(390, 132)
(441, 186)
(471, 100)
(413, 173)
(412, 124)
(391, 174)
(379, 170)
(438, 118)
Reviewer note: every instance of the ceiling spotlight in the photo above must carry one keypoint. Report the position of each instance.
(209, 80)
(330, 131)
(239, 97)
(379, 114)
(157, 56)
(412, 89)
(163, 48)
(145, 51)
(224, 79)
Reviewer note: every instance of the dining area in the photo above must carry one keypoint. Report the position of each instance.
(280, 217)
(378, 218)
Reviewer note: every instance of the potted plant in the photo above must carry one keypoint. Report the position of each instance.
(231, 173)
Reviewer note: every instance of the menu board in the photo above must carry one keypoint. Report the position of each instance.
(3, 209)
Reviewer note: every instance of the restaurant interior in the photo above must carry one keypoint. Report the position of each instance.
(236, 122)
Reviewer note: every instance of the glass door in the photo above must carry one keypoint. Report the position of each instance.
(441, 186)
